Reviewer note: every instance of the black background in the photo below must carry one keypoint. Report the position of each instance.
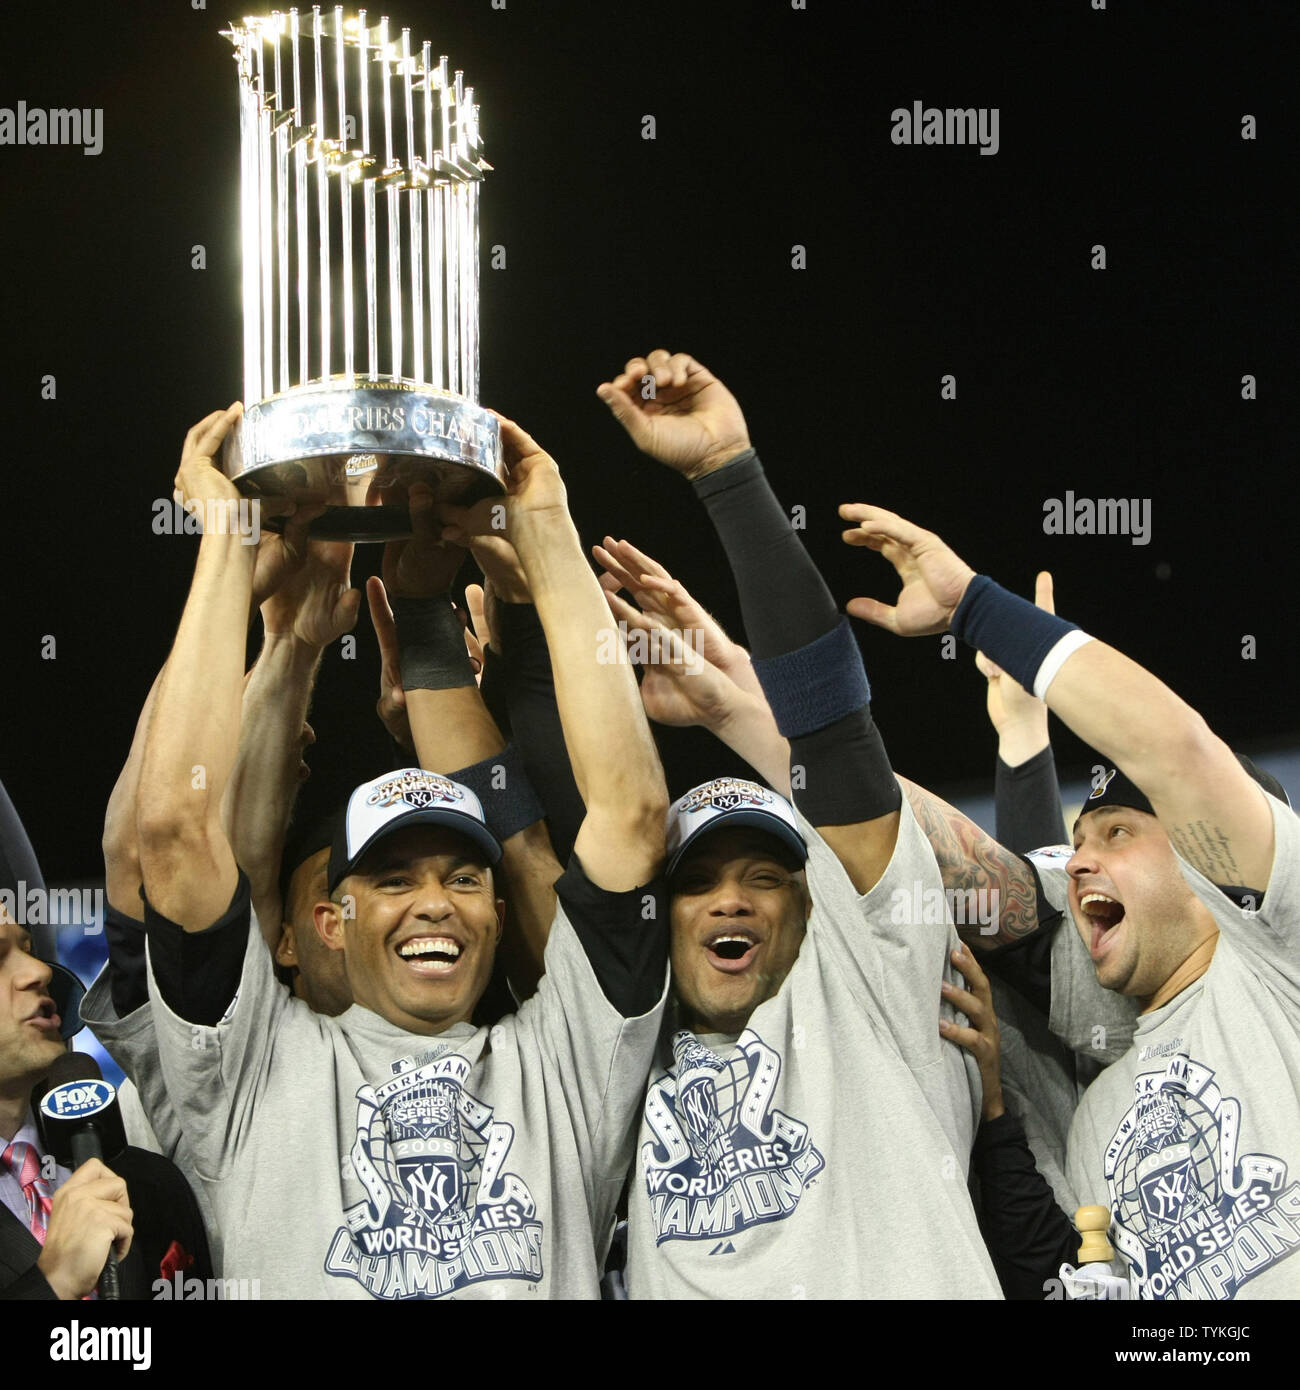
(1119, 127)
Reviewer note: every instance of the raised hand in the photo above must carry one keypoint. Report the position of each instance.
(391, 705)
(198, 478)
(534, 490)
(668, 599)
(677, 411)
(315, 602)
(1018, 716)
(934, 577)
(426, 564)
(679, 687)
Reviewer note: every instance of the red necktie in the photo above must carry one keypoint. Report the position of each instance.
(21, 1160)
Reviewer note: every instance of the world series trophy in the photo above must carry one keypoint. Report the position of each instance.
(360, 165)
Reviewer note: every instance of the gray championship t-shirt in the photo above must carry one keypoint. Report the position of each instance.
(1193, 1137)
(147, 1114)
(823, 1153)
(346, 1158)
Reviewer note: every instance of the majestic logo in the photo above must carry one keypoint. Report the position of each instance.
(726, 794)
(1193, 1219)
(722, 1159)
(439, 1212)
(416, 789)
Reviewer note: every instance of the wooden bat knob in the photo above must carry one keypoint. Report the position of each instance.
(1093, 1223)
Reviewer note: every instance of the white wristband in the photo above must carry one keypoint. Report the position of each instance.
(1056, 658)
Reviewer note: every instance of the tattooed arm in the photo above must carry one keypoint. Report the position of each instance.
(969, 859)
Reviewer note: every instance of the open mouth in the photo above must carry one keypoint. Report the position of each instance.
(430, 955)
(731, 951)
(1103, 915)
(46, 1017)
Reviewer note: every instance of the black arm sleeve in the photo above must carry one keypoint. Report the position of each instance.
(625, 936)
(846, 777)
(198, 971)
(534, 719)
(1029, 1237)
(1028, 804)
(128, 979)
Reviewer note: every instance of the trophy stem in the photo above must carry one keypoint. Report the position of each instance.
(322, 202)
(434, 231)
(417, 270)
(368, 201)
(248, 119)
(300, 202)
(449, 254)
(394, 217)
(345, 192)
(264, 205)
(282, 217)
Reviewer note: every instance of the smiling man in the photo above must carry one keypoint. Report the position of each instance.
(1184, 885)
(807, 1121)
(398, 1151)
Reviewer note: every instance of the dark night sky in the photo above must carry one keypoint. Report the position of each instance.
(1119, 127)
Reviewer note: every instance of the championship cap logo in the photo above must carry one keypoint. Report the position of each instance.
(727, 803)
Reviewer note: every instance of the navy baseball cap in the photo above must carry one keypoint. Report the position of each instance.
(725, 804)
(1111, 787)
(395, 800)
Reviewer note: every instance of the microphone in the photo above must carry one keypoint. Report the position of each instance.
(79, 1120)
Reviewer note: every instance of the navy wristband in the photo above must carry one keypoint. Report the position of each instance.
(1008, 629)
(815, 685)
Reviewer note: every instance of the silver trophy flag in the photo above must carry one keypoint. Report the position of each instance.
(360, 165)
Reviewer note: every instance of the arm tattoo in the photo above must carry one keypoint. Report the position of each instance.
(1207, 848)
(970, 860)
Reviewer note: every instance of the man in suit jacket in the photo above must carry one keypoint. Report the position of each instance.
(57, 1227)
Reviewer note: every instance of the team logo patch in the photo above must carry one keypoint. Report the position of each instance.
(726, 794)
(1101, 782)
(418, 790)
(722, 1158)
(439, 1212)
(1193, 1219)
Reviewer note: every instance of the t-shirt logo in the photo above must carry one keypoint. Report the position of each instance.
(722, 1158)
(439, 1213)
(1193, 1219)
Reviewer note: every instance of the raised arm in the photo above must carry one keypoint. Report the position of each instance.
(620, 842)
(454, 733)
(684, 687)
(186, 862)
(1208, 805)
(804, 654)
(312, 607)
(1027, 795)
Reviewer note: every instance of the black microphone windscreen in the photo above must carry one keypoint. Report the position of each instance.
(73, 1066)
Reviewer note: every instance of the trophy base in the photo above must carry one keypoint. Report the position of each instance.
(356, 446)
